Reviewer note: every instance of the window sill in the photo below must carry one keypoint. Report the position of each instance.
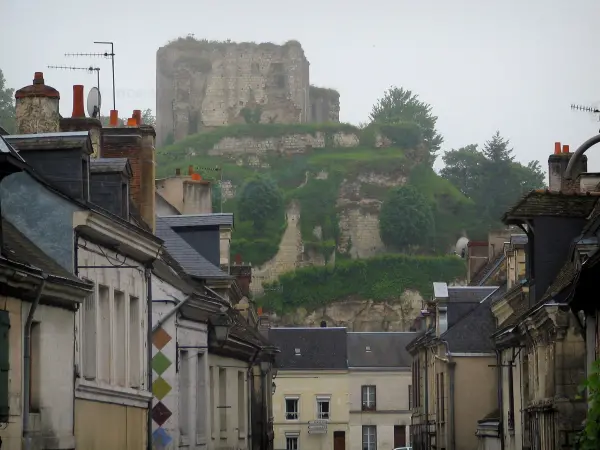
(106, 393)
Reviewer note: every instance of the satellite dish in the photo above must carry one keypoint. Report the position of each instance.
(94, 101)
(461, 246)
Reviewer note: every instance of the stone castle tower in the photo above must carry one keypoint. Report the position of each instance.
(202, 84)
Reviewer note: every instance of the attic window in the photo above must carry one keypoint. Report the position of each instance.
(368, 348)
(297, 351)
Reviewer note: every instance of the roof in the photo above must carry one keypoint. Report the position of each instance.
(463, 299)
(318, 348)
(553, 204)
(51, 141)
(482, 275)
(200, 220)
(19, 248)
(518, 239)
(565, 276)
(385, 349)
(37, 89)
(5, 147)
(472, 332)
(193, 262)
(110, 165)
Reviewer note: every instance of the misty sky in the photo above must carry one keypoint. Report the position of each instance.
(483, 65)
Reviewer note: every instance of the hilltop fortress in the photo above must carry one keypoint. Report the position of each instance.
(203, 84)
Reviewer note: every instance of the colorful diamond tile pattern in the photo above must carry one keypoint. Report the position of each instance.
(160, 363)
(161, 439)
(160, 388)
(160, 413)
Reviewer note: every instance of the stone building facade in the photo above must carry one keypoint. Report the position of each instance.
(202, 84)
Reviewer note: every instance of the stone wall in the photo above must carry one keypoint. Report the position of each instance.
(205, 84)
(324, 105)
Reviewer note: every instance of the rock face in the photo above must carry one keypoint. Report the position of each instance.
(359, 315)
(203, 84)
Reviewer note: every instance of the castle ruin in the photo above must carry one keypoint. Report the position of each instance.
(204, 84)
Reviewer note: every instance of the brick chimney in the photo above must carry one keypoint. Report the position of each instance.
(135, 143)
(37, 107)
(78, 121)
(557, 164)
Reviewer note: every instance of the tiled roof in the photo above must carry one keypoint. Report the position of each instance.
(20, 249)
(565, 276)
(549, 203)
(472, 333)
(385, 349)
(110, 165)
(200, 220)
(462, 300)
(488, 270)
(193, 262)
(318, 348)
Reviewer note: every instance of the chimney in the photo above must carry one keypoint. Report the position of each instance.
(190, 170)
(37, 107)
(178, 172)
(148, 182)
(137, 115)
(114, 118)
(557, 164)
(78, 121)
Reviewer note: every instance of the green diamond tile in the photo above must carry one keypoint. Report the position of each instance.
(160, 363)
(160, 388)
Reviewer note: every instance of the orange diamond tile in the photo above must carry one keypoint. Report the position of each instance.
(160, 338)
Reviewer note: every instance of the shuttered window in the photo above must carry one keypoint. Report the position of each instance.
(4, 365)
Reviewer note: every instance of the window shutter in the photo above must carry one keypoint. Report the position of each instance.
(4, 365)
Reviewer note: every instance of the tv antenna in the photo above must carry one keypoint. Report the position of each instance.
(90, 69)
(110, 55)
(594, 109)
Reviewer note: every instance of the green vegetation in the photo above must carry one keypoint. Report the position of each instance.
(589, 438)
(406, 220)
(383, 278)
(7, 106)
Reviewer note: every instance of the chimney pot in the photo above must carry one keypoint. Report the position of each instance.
(38, 78)
(557, 148)
(78, 111)
(131, 122)
(565, 148)
(177, 172)
(137, 115)
(114, 118)
(190, 170)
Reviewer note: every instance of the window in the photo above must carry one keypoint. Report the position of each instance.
(135, 342)
(223, 399)
(410, 397)
(369, 438)
(369, 398)
(291, 409)
(241, 403)
(200, 399)
(104, 333)
(323, 405)
(4, 365)
(511, 396)
(441, 407)
(291, 443)
(120, 338)
(184, 393)
(35, 367)
(213, 405)
(280, 81)
(88, 334)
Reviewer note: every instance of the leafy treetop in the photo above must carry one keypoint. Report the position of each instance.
(259, 200)
(7, 106)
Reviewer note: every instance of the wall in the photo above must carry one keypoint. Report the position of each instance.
(475, 396)
(186, 195)
(513, 437)
(392, 402)
(206, 84)
(228, 430)
(307, 385)
(324, 105)
(37, 115)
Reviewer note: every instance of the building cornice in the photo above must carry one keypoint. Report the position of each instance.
(99, 392)
(294, 373)
(380, 370)
(112, 234)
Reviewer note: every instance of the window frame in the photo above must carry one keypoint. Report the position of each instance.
(295, 399)
(364, 397)
(368, 445)
(320, 400)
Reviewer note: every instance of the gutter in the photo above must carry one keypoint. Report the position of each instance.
(167, 316)
(27, 361)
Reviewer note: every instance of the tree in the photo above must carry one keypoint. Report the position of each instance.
(7, 106)
(148, 118)
(260, 199)
(406, 219)
(402, 106)
(490, 177)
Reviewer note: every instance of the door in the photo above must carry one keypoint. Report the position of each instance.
(399, 436)
(339, 440)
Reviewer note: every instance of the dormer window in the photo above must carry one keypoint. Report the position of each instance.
(297, 352)
(368, 349)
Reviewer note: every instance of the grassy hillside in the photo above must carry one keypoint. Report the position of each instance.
(296, 177)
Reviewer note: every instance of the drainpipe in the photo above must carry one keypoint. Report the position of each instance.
(451, 375)
(148, 276)
(426, 398)
(27, 361)
(250, 377)
(500, 397)
(166, 317)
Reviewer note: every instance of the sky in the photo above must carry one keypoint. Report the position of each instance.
(506, 65)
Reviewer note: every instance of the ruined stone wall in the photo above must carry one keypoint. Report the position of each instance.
(324, 105)
(202, 84)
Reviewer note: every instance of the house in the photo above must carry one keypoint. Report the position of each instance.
(541, 343)
(108, 249)
(453, 363)
(379, 369)
(312, 391)
(183, 194)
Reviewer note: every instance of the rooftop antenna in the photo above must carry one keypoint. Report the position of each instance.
(110, 55)
(90, 69)
(594, 109)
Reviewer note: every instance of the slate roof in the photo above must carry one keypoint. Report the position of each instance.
(472, 332)
(385, 349)
(193, 262)
(110, 165)
(200, 220)
(20, 249)
(487, 271)
(565, 276)
(463, 299)
(553, 204)
(320, 348)
(5, 147)
(50, 141)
